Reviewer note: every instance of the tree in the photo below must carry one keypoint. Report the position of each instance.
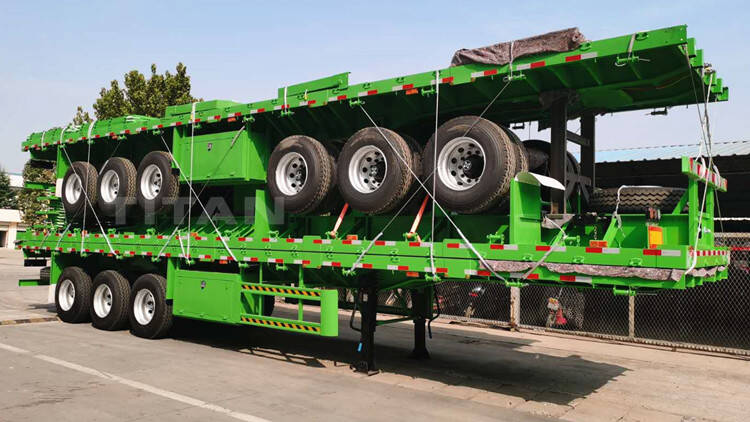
(27, 198)
(8, 198)
(141, 95)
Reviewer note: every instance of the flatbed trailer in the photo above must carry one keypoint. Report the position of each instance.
(144, 266)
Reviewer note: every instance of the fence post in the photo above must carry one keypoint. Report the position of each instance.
(515, 307)
(631, 316)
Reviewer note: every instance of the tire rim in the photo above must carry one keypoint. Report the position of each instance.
(151, 181)
(73, 189)
(291, 173)
(110, 186)
(66, 295)
(144, 306)
(460, 164)
(102, 301)
(367, 169)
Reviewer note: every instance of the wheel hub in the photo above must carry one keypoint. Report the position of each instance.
(66, 295)
(151, 181)
(144, 306)
(110, 186)
(102, 301)
(460, 163)
(73, 189)
(367, 169)
(291, 173)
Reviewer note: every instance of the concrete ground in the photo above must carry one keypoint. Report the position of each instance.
(213, 372)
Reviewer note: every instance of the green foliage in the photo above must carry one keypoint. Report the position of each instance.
(27, 198)
(145, 96)
(8, 198)
(81, 117)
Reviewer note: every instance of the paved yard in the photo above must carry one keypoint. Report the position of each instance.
(213, 372)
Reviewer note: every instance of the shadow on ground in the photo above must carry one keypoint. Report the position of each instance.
(459, 357)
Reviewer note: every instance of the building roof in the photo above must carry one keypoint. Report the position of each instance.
(668, 152)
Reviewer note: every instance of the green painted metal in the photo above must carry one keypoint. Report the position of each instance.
(260, 251)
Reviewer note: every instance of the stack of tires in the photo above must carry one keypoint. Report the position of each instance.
(117, 188)
(470, 160)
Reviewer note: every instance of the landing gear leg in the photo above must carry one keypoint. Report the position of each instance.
(420, 305)
(366, 348)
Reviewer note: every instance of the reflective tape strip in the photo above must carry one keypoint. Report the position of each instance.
(521, 276)
(145, 236)
(455, 246)
(662, 252)
(275, 261)
(504, 247)
(447, 80)
(257, 110)
(402, 87)
(576, 279)
(331, 264)
(146, 253)
(307, 103)
(337, 98)
(269, 240)
(483, 273)
(533, 65)
(281, 107)
(385, 243)
(440, 270)
(363, 265)
(293, 240)
(368, 92)
(204, 256)
(420, 244)
(302, 261)
(603, 250)
(322, 241)
(245, 239)
(351, 242)
(484, 73)
(544, 248)
(398, 267)
(583, 56)
(220, 238)
(710, 253)
(250, 259)
(127, 236)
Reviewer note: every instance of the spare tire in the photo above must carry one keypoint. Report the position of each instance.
(475, 164)
(157, 184)
(79, 182)
(301, 174)
(117, 191)
(523, 157)
(635, 200)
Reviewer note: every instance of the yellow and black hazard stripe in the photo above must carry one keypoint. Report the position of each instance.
(282, 290)
(281, 324)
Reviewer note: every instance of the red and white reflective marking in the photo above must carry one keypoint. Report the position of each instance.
(533, 65)
(175, 124)
(509, 247)
(145, 236)
(200, 238)
(706, 175)
(545, 248)
(439, 270)
(224, 238)
(245, 239)
(603, 250)
(250, 259)
(385, 243)
(204, 256)
(302, 261)
(446, 80)
(363, 265)
(322, 241)
(456, 246)
(713, 252)
(147, 253)
(269, 240)
(576, 279)
(662, 252)
(281, 107)
(396, 88)
(293, 240)
(275, 261)
(226, 258)
(306, 103)
(368, 92)
(484, 73)
(584, 56)
(258, 110)
(482, 273)
(420, 244)
(331, 264)
(351, 242)
(521, 276)
(398, 267)
(336, 98)
(127, 236)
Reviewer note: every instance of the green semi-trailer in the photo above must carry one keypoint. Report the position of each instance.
(216, 209)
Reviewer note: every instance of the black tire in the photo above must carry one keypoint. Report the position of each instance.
(392, 177)
(118, 174)
(112, 286)
(161, 315)
(88, 176)
(76, 308)
(153, 202)
(523, 156)
(635, 200)
(497, 169)
(538, 153)
(44, 275)
(319, 174)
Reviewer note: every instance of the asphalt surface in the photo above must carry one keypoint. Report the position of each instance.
(73, 372)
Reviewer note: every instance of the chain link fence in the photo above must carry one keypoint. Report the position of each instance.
(713, 317)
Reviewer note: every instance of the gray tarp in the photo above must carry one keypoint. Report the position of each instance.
(500, 54)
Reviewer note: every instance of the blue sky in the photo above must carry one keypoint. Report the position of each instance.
(57, 55)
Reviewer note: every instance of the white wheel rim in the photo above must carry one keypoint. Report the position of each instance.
(110, 186)
(151, 181)
(367, 169)
(291, 173)
(144, 306)
(66, 295)
(102, 300)
(73, 188)
(460, 163)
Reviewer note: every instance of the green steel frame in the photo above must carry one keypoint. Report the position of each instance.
(260, 252)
